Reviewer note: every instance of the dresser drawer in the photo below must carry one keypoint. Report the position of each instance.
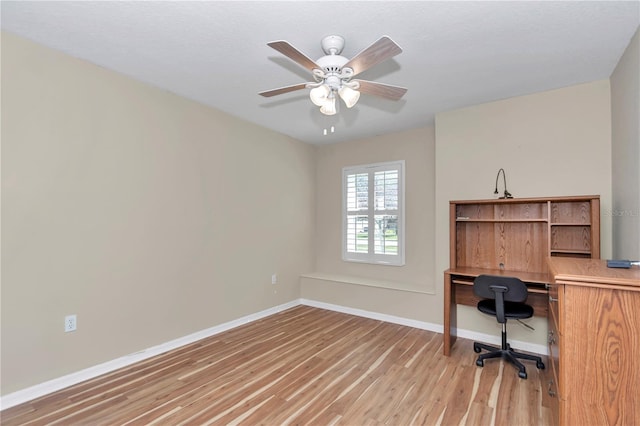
(553, 398)
(554, 306)
(553, 339)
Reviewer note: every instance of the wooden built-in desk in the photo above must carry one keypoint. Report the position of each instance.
(514, 237)
(458, 290)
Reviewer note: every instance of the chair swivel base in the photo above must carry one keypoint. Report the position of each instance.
(508, 355)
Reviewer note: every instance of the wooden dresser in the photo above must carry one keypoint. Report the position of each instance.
(594, 342)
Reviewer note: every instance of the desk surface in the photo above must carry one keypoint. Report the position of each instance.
(580, 271)
(458, 289)
(527, 277)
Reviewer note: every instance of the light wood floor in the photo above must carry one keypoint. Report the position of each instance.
(303, 366)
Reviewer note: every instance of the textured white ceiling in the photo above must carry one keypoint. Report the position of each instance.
(456, 54)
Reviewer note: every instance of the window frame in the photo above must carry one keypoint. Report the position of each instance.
(372, 257)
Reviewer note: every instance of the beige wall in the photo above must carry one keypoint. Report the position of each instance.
(550, 144)
(416, 148)
(149, 216)
(394, 290)
(625, 126)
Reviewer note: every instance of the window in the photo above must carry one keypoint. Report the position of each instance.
(373, 213)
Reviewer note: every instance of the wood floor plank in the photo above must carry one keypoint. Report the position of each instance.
(302, 366)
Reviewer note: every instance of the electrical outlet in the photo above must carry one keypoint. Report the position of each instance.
(274, 279)
(70, 323)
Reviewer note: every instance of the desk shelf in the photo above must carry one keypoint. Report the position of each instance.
(519, 234)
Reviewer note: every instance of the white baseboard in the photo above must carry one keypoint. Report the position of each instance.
(462, 333)
(54, 385)
(497, 340)
(437, 328)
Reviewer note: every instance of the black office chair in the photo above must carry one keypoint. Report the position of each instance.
(504, 298)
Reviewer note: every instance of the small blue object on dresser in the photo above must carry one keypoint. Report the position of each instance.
(612, 263)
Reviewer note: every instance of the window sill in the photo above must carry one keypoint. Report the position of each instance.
(399, 262)
(368, 282)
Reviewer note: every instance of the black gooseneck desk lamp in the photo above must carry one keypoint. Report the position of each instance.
(507, 194)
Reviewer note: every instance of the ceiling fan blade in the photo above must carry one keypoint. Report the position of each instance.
(281, 90)
(380, 89)
(294, 54)
(379, 51)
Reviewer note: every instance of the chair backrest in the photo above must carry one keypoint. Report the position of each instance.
(512, 288)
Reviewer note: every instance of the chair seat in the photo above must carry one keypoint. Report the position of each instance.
(511, 309)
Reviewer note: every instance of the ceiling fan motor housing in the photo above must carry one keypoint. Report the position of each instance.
(332, 63)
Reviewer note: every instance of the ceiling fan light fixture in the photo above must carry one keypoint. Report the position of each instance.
(349, 96)
(329, 106)
(319, 95)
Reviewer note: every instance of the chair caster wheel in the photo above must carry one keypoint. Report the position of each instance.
(479, 363)
(540, 365)
(522, 374)
(477, 349)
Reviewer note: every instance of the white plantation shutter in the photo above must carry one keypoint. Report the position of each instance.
(373, 200)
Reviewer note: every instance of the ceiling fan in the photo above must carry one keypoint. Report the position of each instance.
(333, 73)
